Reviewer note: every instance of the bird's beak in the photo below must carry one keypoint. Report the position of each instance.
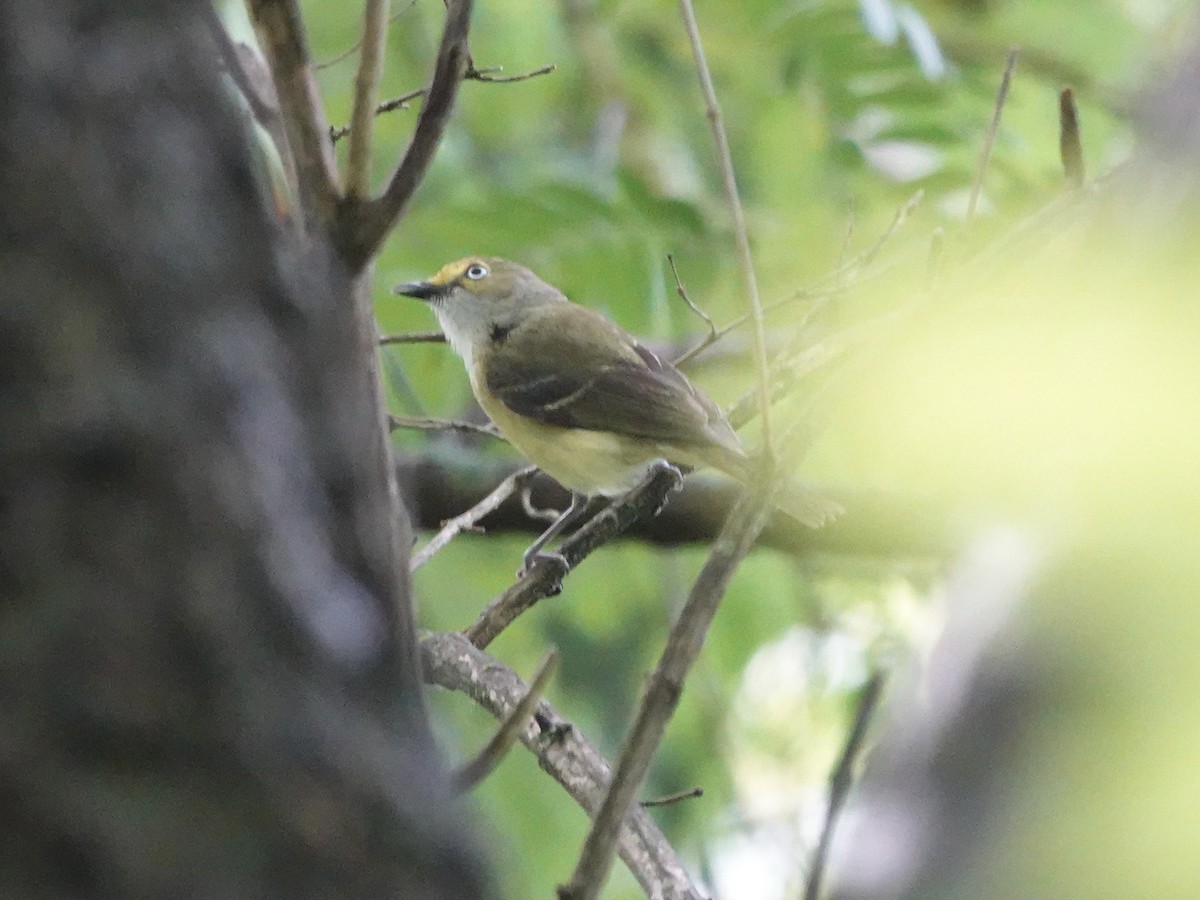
(422, 290)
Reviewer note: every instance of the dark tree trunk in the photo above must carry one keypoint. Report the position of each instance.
(208, 676)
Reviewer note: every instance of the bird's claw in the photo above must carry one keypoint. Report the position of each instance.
(553, 559)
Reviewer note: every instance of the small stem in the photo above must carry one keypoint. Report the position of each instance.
(745, 260)
(1069, 145)
(989, 140)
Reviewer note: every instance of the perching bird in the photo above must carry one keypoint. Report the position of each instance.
(577, 395)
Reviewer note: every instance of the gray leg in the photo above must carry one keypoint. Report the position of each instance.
(579, 505)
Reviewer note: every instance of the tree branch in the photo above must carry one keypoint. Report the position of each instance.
(663, 690)
(545, 579)
(509, 732)
(878, 528)
(989, 140)
(470, 519)
(562, 751)
(366, 95)
(365, 225)
(280, 32)
(842, 780)
(745, 260)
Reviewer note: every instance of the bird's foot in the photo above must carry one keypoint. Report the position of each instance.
(676, 481)
(556, 560)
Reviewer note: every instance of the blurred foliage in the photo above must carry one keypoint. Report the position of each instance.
(837, 112)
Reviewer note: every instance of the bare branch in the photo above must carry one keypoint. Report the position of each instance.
(545, 578)
(989, 140)
(745, 261)
(842, 780)
(280, 32)
(424, 424)
(672, 799)
(509, 731)
(366, 224)
(401, 102)
(1069, 146)
(663, 690)
(468, 520)
(348, 52)
(416, 337)
(366, 96)
(879, 529)
(487, 76)
(709, 339)
(562, 751)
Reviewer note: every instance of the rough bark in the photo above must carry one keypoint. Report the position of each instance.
(208, 672)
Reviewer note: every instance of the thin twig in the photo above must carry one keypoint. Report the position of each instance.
(421, 423)
(365, 225)
(414, 337)
(366, 96)
(710, 338)
(401, 102)
(486, 76)
(466, 521)
(861, 260)
(347, 53)
(842, 780)
(563, 752)
(663, 690)
(545, 578)
(671, 799)
(745, 260)
(989, 139)
(280, 31)
(1069, 146)
(509, 732)
(833, 283)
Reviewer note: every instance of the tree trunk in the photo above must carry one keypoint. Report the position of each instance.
(209, 684)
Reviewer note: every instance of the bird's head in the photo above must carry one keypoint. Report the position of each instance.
(479, 297)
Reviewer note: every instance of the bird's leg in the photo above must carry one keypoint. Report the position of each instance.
(676, 472)
(572, 514)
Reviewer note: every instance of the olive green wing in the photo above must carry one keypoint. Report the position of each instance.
(575, 369)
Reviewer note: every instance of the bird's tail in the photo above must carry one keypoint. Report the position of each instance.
(793, 497)
(805, 505)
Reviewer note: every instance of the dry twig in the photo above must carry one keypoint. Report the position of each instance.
(745, 260)
(989, 141)
(663, 690)
(674, 798)
(420, 423)
(470, 519)
(364, 225)
(1070, 147)
(842, 780)
(415, 337)
(562, 751)
(510, 729)
(545, 578)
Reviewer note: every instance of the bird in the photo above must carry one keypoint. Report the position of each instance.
(577, 395)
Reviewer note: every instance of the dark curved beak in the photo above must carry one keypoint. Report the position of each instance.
(422, 290)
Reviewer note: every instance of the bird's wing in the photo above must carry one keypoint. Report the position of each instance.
(578, 371)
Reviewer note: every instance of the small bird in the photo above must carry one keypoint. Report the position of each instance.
(577, 395)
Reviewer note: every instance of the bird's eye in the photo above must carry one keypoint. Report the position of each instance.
(475, 271)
